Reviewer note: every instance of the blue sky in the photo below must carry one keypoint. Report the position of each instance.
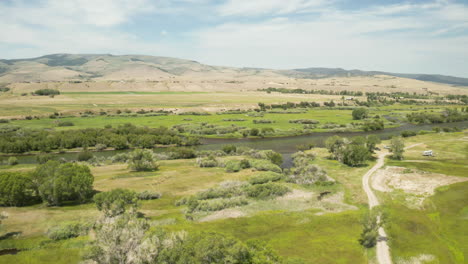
(400, 36)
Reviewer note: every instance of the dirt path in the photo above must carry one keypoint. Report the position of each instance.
(383, 251)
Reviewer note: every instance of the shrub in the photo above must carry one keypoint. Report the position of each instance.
(43, 158)
(207, 162)
(182, 153)
(408, 133)
(307, 174)
(233, 166)
(85, 156)
(15, 189)
(65, 124)
(4, 121)
(265, 177)
(68, 230)
(116, 202)
(12, 161)
(360, 113)
(254, 132)
(225, 190)
(43, 92)
(264, 165)
(304, 121)
(267, 190)
(142, 160)
(244, 164)
(100, 147)
(57, 182)
(218, 204)
(149, 195)
(121, 157)
(228, 149)
(263, 121)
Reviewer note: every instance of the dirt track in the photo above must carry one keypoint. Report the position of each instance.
(383, 251)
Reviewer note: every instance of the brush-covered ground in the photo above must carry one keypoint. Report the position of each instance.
(295, 225)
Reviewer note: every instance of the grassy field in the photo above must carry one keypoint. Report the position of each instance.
(437, 231)
(304, 234)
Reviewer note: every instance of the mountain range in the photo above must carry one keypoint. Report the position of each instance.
(93, 67)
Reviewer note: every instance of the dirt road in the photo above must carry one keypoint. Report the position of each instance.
(383, 251)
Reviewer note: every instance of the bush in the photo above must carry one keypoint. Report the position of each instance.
(207, 162)
(408, 133)
(43, 92)
(57, 182)
(142, 160)
(304, 121)
(244, 164)
(233, 166)
(263, 121)
(65, 124)
(360, 113)
(4, 121)
(12, 161)
(121, 157)
(228, 149)
(265, 178)
(254, 132)
(225, 190)
(100, 147)
(85, 156)
(307, 174)
(182, 153)
(218, 204)
(149, 195)
(264, 165)
(68, 230)
(15, 189)
(116, 202)
(267, 190)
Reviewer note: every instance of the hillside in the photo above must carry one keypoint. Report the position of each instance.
(99, 67)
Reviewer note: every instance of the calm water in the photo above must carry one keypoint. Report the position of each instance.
(283, 145)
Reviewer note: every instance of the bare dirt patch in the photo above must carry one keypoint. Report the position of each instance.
(419, 184)
(223, 214)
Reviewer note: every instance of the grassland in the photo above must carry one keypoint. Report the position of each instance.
(314, 237)
(438, 230)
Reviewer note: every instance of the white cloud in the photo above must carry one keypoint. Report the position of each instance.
(262, 7)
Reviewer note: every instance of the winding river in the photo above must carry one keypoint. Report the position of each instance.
(284, 145)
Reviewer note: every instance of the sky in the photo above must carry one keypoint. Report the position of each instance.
(416, 36)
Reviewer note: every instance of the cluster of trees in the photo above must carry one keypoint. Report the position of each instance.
(352, 152)
(43, 92)
(52, 182)
(304, 172)
(302, 91)
(288, 105)
(447, 116)
(18, 140)
(360, 113)
(372, 125)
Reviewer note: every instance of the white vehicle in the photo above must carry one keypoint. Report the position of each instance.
(428, 153)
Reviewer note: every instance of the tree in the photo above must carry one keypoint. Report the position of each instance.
(57, 182)
(335, 146)
(15, 189)
(360, 113)
(372, 141)
(397, 147)
(228, 149)
(370, 230)
(355, 155)
(116, 202)
(142, 160)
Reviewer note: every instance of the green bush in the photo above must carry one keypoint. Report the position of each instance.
(116, 202)
(360, 113)
(12, 161)
(218, 204)
(304, 121)
(182, 153)
(16, 189)
(43, 158)
(264, 165)
(207, 162)
(68, 230)
(100, 147)
(142, 160)
(149, 195)
(228, 149)
(58, 182)
(233, 166)
(46, 92)
(244, 164)
(267, 190)
(265, 178)
(224, 190)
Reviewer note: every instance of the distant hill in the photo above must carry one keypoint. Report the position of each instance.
(83, 67)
